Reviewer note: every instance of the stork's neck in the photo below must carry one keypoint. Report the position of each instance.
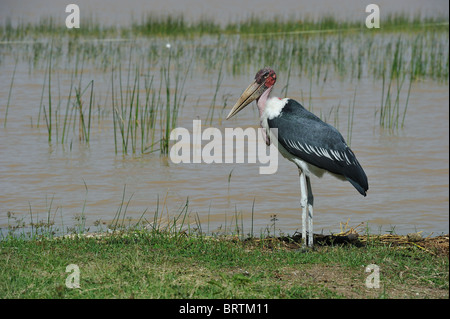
(262, 100)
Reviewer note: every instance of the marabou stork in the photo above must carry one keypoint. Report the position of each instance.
(313, 145)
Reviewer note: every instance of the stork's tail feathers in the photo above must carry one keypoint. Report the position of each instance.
(359, 180)
(361, 189)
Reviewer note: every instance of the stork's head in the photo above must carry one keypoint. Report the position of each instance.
(264, 79)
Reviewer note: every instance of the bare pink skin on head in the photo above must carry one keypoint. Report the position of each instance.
(261, 106)
(259, 90)
(262, 100)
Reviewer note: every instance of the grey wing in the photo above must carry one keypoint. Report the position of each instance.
(321, 145)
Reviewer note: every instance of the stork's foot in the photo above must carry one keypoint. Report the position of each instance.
(308, 240)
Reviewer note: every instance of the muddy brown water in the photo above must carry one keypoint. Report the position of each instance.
(408, 171)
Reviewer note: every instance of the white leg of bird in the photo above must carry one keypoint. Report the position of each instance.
(310, 212)
(304, 204)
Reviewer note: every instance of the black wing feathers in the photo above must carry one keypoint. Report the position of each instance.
(306, 136)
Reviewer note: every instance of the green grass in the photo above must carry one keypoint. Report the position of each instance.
(175, 259)
(157, 264)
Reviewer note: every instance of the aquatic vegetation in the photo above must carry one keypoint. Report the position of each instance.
(145, 94)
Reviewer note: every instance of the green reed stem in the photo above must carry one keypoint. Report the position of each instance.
(9, 93)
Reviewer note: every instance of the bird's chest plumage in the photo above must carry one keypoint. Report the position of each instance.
(271, 108)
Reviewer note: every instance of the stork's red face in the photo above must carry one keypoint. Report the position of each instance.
(264, 79)
(266, 76)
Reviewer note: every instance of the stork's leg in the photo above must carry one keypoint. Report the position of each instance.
(310, 212)
(304, 204)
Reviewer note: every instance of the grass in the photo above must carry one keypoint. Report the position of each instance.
(173, 258)
(161, 264)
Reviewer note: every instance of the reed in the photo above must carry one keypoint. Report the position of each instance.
(178, 26)
(66, 115)
(9, 93)
(169, 118)
(48, 115)
(115, 225)
(127, 115)
(145, 105)
(137, 112)
(390, 114)
(84, 123)
(350, 117)
(210, 115)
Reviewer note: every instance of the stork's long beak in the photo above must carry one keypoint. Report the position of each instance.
(253, 92)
